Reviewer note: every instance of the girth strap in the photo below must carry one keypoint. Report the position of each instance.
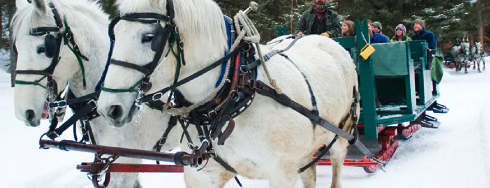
(320, 154)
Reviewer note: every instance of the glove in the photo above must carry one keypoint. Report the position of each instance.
(325, 34)
(299, 33)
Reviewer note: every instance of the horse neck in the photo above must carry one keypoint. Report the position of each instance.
(90, 35)
(204, 36)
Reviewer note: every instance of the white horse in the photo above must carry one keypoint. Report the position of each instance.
(461, 54)
(270, 141)
(88, 24)
(477, 56)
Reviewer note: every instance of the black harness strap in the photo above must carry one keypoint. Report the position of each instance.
(320, 154)
(313, 98)
(171, 124)
(36, 72)
(141, 69)
(68, 123)
(157, 95)
(62, 103)
(271, 54)
(266, 90)
(224, 164)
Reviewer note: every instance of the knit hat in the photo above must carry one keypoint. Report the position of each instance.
(402, 27)
(421, 22)
(377, 24)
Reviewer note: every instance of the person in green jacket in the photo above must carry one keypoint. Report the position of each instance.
(400, 34)
(320, 20)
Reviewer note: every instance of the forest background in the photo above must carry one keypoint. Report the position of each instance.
(448, 19)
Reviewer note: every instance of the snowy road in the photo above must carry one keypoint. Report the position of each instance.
(455, 155)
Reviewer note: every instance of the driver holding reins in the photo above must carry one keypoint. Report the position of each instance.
(320, 20)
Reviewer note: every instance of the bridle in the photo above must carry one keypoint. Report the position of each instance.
(52, 50)
(53, 37)
(161, 37)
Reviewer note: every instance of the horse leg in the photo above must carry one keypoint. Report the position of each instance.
(284, 176)
(212, 176)
(308, 177)
(483, 60)
(337, 156)
(478, 63)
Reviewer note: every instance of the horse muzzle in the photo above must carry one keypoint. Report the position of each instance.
(31, 119)
(117, 116)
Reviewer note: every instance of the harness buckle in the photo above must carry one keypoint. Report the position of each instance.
(95, 103)
(212, 113)
(156, 96)
(58, 104)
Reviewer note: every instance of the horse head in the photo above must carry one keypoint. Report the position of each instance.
(479, 48)
(149, 36)
(50, 39)
(465, 47)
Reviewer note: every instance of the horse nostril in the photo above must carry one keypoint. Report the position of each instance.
(115, 111)
(30, 115)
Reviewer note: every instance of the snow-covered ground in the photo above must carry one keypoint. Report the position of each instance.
(455, 155)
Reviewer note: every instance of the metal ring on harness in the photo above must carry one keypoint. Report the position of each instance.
(95, 180)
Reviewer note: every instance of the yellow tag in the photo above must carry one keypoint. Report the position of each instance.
(366, 51)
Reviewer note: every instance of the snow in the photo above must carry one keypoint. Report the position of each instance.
(455, 155)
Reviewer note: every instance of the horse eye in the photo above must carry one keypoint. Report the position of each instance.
(147, 38)
(41, 49)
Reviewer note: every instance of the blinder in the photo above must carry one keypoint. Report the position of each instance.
(51, 45)
(160, 38)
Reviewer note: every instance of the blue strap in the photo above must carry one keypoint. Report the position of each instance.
(102, 78)
(223, 66)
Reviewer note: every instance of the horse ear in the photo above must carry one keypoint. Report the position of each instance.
(20, 4)
(40, 6)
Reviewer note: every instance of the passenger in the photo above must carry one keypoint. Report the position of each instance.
(320, 20)
(400, 34)
(422, 34)
(377, 27)
(348, 28)
(376, 37)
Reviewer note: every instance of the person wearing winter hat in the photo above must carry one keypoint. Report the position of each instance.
(320, 20)
(400, 34)
(377, 27)
(422, 34)
(376, 37)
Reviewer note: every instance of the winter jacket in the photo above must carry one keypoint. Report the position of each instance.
(428, 36)
(407, 38)
(379, 38)
(332, 23)
(431, 40)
